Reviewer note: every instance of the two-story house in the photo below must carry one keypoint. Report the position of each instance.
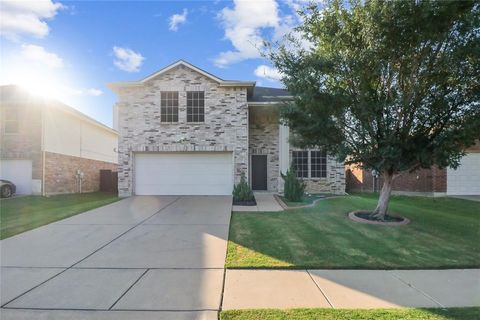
(185, 131)
(47, 147)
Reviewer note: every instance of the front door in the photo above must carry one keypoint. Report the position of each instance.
(259, 172)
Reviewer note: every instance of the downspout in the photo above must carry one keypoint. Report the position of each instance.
(42, 149)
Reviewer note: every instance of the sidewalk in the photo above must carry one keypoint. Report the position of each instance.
(284, 289)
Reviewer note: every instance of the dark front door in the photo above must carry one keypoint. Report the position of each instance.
(259, 172)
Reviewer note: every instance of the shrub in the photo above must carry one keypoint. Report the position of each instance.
(242, 192)
(294, 188)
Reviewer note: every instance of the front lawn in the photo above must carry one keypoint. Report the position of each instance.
(20, 214)
(339, 314)
(307, 200)
(443, 233)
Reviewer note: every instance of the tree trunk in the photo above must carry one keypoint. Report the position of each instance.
(382, 206)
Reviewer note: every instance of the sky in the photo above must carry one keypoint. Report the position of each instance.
(70, 50)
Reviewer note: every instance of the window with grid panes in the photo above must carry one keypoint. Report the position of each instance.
(195, 106)
(318, 164)
(300, 163)
(169, 106)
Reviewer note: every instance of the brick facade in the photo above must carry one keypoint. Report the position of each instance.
(30, 140)
(26, 144)
(140, 129)
(61, 171)
(264, 140)
(432, 180)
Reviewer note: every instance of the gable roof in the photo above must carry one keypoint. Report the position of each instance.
(221, 82)
(17, 94)
(267, 94)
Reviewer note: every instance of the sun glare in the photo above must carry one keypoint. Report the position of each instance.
(41, 86)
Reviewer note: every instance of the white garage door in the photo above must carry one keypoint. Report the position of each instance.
(184, 173)
(466, 179)
(19, 172)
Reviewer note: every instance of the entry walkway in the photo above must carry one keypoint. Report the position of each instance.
(266, 202)
(285, 289)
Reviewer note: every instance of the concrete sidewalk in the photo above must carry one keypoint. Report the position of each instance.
(284, 289)
(266, 202)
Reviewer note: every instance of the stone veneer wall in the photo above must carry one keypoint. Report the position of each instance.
(60, 172)
(140, 129)
(264, 140)
(333, 183)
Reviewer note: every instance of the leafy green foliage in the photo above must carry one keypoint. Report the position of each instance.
(242, 191)
(389, 85)
(294, 188)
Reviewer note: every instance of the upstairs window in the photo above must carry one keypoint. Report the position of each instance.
(300, 163)
(195, 106)
(318, 164)
(10, 123)
(169, 106)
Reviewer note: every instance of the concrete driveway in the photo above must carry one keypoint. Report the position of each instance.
(148, 257)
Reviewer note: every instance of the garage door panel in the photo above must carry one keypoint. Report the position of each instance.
(19, 172)
(192, 173)
(465, 180)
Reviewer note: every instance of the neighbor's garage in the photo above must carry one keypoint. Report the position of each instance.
(183, 173)
(19, 172)
(465, 180)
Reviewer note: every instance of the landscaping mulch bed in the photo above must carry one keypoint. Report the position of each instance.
(245, 203)
(363, 216)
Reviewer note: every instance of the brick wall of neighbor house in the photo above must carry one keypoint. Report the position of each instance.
(264, 139)
(26, 144)
(140, 129)
(60, 172)
(475, 148)
(432, 180)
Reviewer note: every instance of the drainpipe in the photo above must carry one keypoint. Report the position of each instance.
(79, 179)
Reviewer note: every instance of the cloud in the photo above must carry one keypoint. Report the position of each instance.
(127, 60)
(178, 19)
(249, 23)
(269, 73)
(92, 92)
(243, 25)
(40, 55)
(27, 17)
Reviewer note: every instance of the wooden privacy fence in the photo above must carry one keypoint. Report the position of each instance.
(108, 181)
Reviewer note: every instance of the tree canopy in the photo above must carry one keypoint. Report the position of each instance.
(389, 85)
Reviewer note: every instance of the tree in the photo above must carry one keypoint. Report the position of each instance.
(388, 85)
(294, 188)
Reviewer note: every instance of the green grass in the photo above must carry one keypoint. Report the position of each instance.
(339, 314)
(21, 214)
(308, 199)
(443, 233)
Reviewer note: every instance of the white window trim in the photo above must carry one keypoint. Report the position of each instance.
(309, 164)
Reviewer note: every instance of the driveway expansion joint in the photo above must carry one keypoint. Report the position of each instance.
(128, 289)
(417, 289)
(323, 293)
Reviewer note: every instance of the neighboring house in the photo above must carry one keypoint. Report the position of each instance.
(47, 147)
(185, 131)
(465, 180)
